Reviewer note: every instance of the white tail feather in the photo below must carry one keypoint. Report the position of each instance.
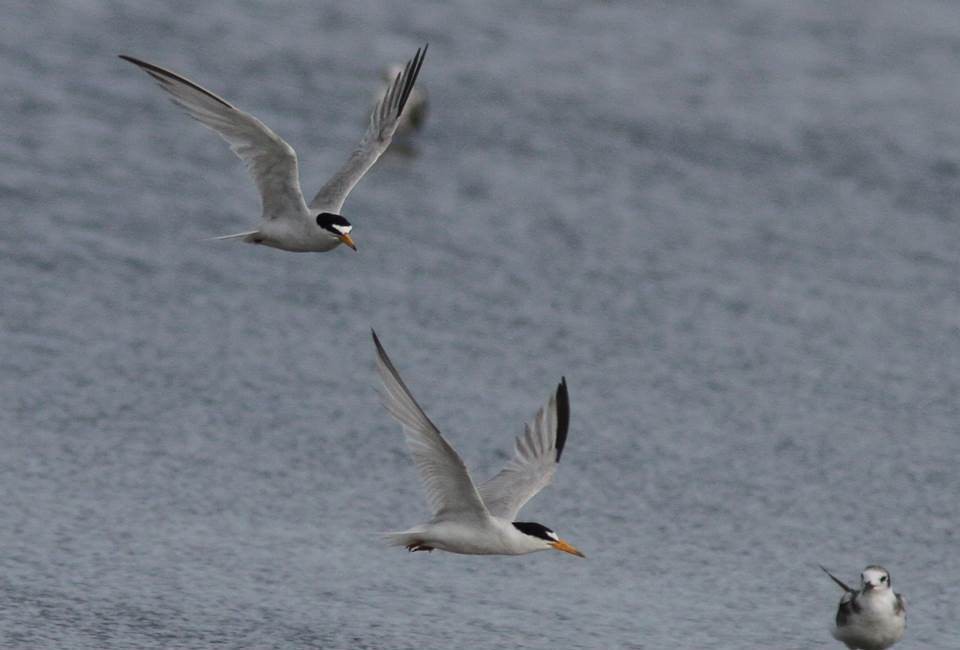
(233, 236)
(404, 538)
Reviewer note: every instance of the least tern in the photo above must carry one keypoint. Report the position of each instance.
(287, 222)
(872, 618)
(466, 518)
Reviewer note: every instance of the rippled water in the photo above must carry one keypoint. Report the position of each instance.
(733, 226)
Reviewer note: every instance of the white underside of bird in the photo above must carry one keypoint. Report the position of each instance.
(470, 519)
(288, 222)
(876, 626)
(486, 536)
(873, 617)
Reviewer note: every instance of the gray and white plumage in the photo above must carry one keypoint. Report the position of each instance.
(287, 221)
(872, 617)
(467, 519)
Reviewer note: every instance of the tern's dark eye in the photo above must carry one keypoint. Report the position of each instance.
(883, 578)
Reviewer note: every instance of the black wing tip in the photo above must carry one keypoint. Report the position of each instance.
(385, 358)
(411, 72)
(563, 416)
(376, 342)
(143, 64)
(837, 580)
(137, 62)
(165, 76)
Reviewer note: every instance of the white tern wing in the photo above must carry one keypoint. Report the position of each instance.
(383, 124)
(271, 161)
(451, 493)
(536, 454)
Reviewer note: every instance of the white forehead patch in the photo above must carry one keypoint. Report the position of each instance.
(343, 230)
(552, 535)
(874, 575)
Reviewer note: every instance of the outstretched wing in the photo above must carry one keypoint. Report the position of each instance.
(271, 162)
(451, 493)
(536, 455)
(383, 124)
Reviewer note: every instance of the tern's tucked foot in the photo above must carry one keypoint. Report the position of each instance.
(417, 546)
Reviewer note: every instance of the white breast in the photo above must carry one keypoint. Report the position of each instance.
(876, 626)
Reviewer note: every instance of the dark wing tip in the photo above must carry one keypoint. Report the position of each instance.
(838, 581)
(563, 415)
(376, 342)
(137, 62)
(410, 74)
(165, 76)
(385, 360)
(143, 64)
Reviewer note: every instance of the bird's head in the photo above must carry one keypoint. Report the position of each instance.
(875, 578)
(336, 226)
(541, 536)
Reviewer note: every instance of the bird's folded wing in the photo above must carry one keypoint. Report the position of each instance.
(270, 160)
(847, 608)
(451, 493)
(383, 124)
(536, 455)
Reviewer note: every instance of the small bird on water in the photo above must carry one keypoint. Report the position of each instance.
(873, 617)
(471, 519)
(287, 221)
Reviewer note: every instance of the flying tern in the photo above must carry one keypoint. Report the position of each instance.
(287, 221)
(471, 519)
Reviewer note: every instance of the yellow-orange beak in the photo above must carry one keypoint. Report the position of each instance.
(561, 545)
(348, 240)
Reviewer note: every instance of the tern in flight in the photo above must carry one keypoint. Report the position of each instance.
(471, 519)
(287, 221)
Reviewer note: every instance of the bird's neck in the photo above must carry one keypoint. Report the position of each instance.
(877, 599)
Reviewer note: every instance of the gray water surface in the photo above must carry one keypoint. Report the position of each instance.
(733, 226)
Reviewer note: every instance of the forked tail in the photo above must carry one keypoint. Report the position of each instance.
(248, 236)
(398, 538)
(408, 538)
